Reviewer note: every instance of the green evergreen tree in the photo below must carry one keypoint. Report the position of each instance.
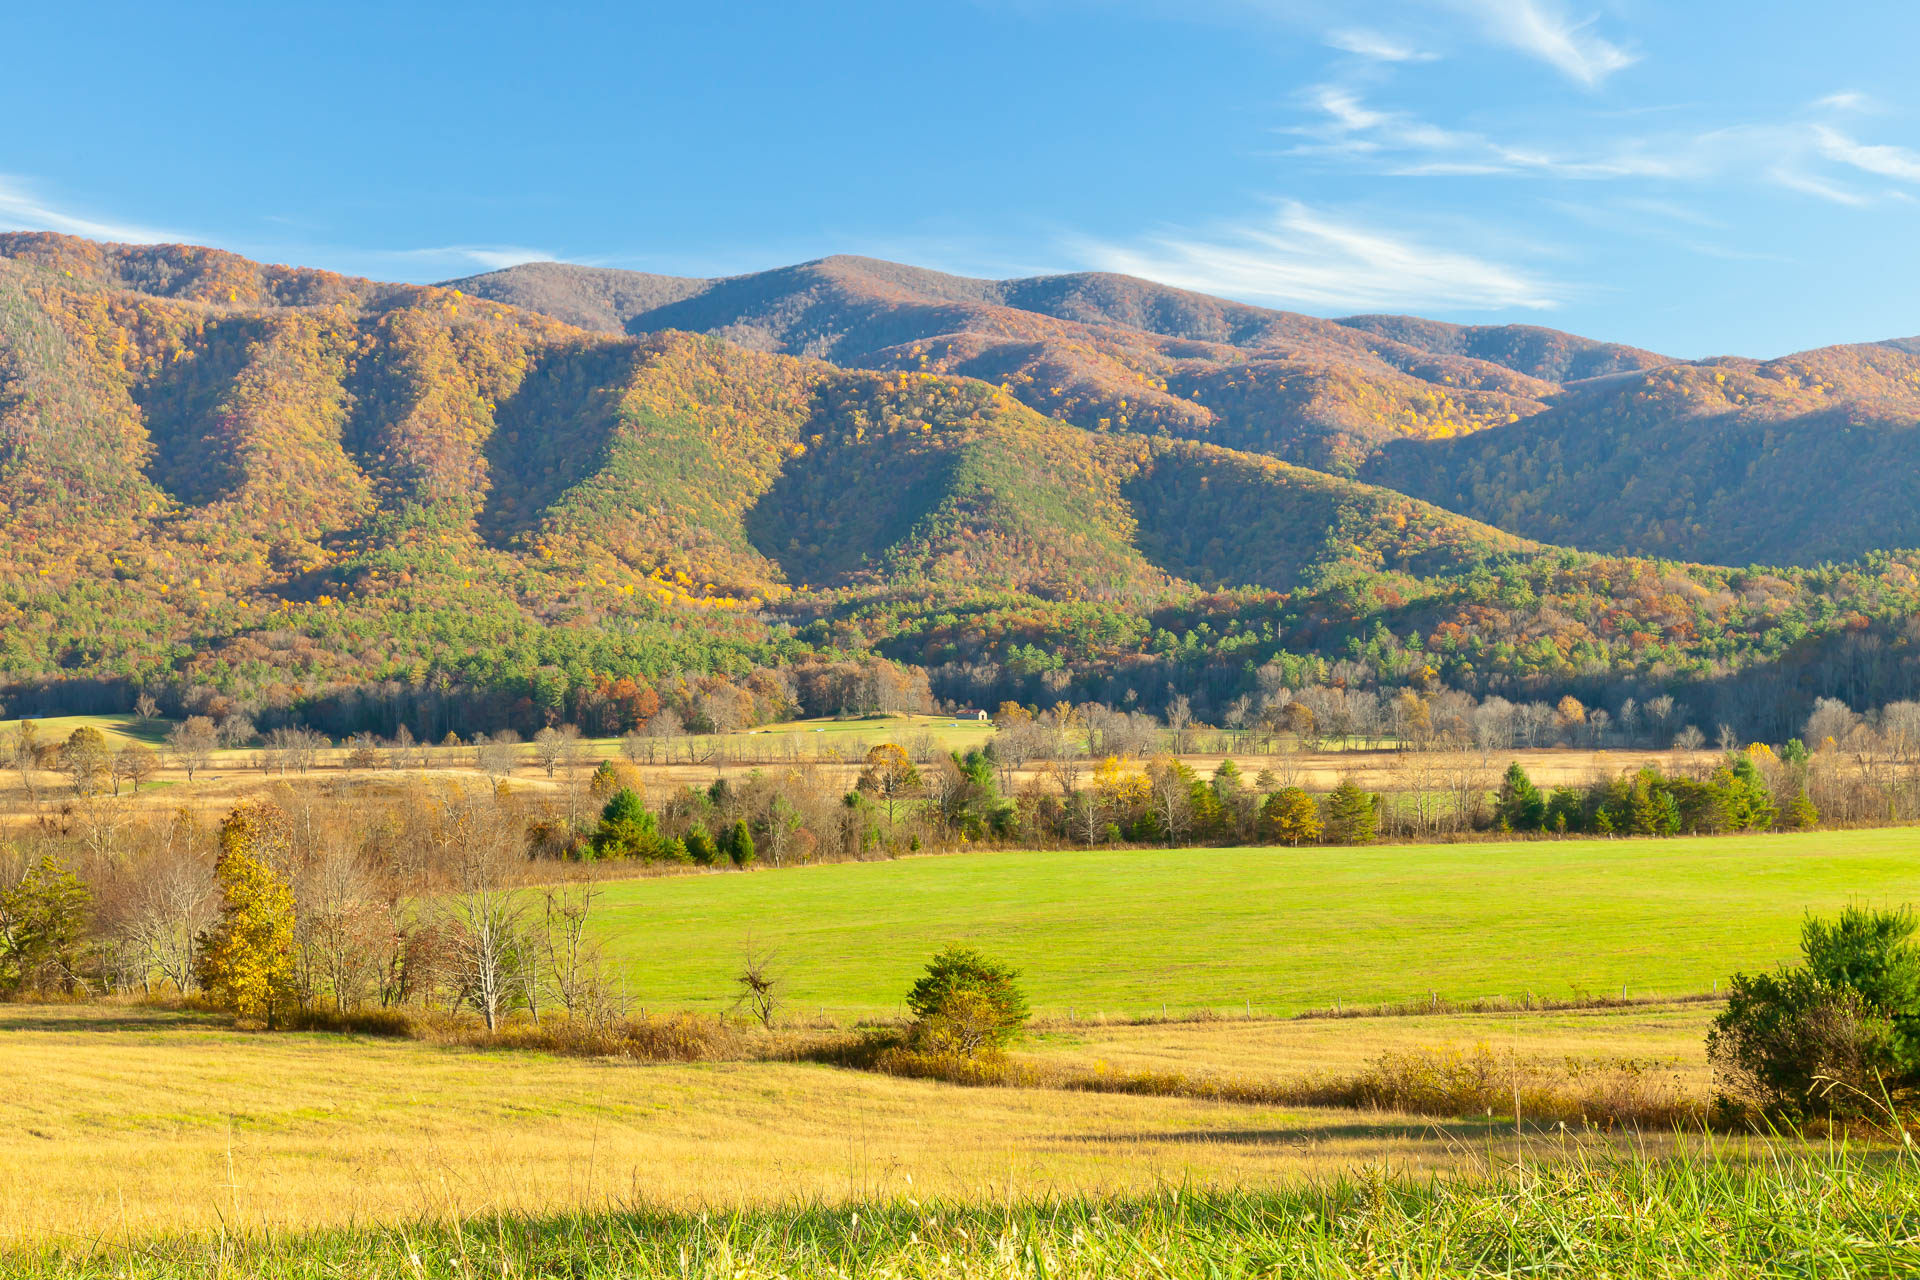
(43, 930)
(1353, 815)
(1800, 814)
(740, 844)
(1520, 806)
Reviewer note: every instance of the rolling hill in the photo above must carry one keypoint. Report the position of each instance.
(1551, 436)
(302, 491)
(1105, 352)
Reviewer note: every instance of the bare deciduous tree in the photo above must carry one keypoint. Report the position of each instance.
(497, 755)
(486, 919)
(760, 984)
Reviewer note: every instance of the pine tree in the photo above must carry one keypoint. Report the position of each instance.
(1520, 807)
(1800, 814)
(740, 845)
(1352, 815)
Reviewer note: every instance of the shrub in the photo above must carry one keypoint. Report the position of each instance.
(966, 1004)
(700, 846)
(1832, 1038)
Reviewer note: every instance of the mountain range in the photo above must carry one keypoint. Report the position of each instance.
(282, 483)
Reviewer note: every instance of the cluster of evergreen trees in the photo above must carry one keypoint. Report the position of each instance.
(1735, 797)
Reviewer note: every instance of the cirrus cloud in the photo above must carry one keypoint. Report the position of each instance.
(1305, 258)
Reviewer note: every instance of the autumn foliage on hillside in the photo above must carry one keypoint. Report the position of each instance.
(287, 488)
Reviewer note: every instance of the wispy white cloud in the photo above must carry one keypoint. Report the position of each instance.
(23, 208)
(1544, 29)
(1846, 100)
(1887, 161)
(1305, 258)
(1796, 180)
(1372, 44)
(1799, 155)
(493, 257)
(1404, 146)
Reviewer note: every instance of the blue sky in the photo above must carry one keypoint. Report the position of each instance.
(1697, 177)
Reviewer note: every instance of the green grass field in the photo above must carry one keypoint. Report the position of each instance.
(1123, 932)
(1840, 1213)
(119, 730)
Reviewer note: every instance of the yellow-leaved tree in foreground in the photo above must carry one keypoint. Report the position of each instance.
(245, 960)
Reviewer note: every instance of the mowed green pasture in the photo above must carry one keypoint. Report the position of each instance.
(1124, 932)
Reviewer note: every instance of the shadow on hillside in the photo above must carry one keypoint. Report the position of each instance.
(839, 507)
(192, 460)
(552, 433)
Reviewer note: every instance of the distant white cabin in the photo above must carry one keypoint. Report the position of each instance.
(971, 713)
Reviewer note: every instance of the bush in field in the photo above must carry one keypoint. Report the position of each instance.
(1836, 1036)
(966, 1005)
(700, 846)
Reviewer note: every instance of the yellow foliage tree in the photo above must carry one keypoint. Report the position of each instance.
(1290, 817)
(245, 961)
(1118, 785)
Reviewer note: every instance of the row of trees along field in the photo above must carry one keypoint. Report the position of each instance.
(373, 875)
(1311, 700)
(1061, 777)
(276, 920)
(1274, 716)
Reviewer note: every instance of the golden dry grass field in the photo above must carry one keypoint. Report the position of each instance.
(1669, 1038)
(119, 1122)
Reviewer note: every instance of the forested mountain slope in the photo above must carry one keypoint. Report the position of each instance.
(1793, 461)
(1539, 432)
(293, 488)
(1105, 352)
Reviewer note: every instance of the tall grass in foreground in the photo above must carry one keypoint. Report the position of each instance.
(1779, 1211)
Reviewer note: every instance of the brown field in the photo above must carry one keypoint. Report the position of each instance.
(230, 778)
(121, 1121)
